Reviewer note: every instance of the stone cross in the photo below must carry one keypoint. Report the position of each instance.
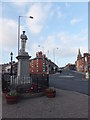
(23, 41)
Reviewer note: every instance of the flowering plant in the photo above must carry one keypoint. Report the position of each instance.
(51, 89)
(12, 93)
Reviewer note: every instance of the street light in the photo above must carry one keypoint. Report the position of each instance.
(11, 54)
(48, 53)
(19, 29)
(54, 53)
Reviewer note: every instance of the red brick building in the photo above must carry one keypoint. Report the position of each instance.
(38, 64)
(41, 64)
(83, 63)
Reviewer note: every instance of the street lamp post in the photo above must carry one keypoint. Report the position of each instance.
(19, 29)
(48, 53)
(11, 54)
(54, 53)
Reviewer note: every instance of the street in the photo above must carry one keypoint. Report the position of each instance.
(69, 80)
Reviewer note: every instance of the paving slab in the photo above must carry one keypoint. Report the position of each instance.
(66, 104)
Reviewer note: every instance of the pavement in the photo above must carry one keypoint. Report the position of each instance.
(66, 104)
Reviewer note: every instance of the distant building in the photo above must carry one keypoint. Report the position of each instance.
(52, 67)
(6, 68)
(70, 66)
(41, 64)
(83, 62)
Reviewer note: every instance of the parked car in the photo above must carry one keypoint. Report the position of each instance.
(60, 70)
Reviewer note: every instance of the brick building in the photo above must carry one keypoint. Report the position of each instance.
(70, 66)
(41, 64)
(40, 67)
(83, 62)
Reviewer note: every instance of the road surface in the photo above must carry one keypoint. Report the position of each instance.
(69, 80)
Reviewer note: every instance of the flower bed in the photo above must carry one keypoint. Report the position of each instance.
(11, 97)
(33, 91)
(50, 92)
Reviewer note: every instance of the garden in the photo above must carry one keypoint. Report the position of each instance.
(14, 94)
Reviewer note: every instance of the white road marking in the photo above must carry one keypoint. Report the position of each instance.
(66, 76)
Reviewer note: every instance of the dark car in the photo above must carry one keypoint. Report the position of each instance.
(60, 70)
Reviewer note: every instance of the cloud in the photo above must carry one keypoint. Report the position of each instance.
(46, 44)
(8, 38)
(70, 43)
(74, 21)
(19, 2)
(66, 43)
(59, 14)
(40, 13)
(58, 11)
(67, 4)
(81, 37)
(50, 42)
(68, 51)
(64, 37)
(77, 38)
(9, 33)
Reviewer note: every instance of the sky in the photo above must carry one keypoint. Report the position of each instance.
(58, 29)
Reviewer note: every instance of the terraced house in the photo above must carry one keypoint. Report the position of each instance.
(42, 65)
